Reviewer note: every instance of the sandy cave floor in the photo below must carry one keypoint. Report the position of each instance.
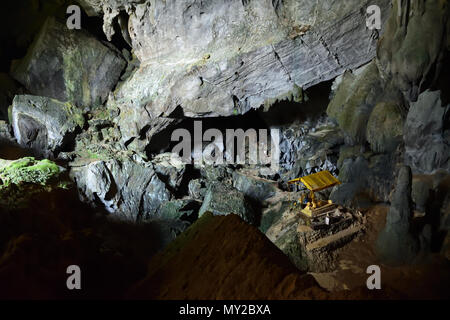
(428, 280)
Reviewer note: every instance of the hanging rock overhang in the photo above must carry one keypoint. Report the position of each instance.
(222, 58)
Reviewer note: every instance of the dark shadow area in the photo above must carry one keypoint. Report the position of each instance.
(442, 81)
(161, 142)
(287, 112)
(56, 231)
(21, 20)
(12, 151)
(433, 216)
(93, 25)
(281, 113)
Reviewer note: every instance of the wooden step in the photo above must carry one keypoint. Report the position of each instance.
(334, 239)
(324, 209)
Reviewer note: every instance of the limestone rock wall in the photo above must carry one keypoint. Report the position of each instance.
(219, 58)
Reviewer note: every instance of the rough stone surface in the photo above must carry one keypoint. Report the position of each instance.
(127, 189)
(385, 127)
(354, 100)
(309, 147)
(221, 199)
(182, 209)
(212, 173)
(365, 179)
(254, 187)
(395, 243)
(427, 142)
(412, 48)
(422, 188)
(69, 65)
(170, 168)
(442, 202)
(99, 7)
(5, 133)
(220, 58)
(44, 125)
(197, 189)
(22, 179)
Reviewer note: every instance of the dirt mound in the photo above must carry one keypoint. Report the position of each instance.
(221, 257)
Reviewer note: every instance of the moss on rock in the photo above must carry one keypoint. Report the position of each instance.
(385, 127)
(21, 179)
(353, 101)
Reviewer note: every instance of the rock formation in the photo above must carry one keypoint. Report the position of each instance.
(99, 106)
(222, 58)
(69, 65)
(45, 125)
(395, 243)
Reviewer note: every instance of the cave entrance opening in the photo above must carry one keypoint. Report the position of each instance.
(281, 114)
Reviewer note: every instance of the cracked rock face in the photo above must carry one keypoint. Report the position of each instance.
(129, 190)
(255, 188)
(364, 179)
(69, 65)
(354, 100)
(221, 58)
(427, 143)
(309, 147)
(171, 167)
(414, 44)
(221, 199)
(44, 125)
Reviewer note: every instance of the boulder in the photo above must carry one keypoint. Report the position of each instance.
(214, 172)
(421, 191)
(69, 65)
(276, 208)
(197, 189)
(446, 247)
(22, 179)
(395, 243)
(256, 188)
(442, 203)
(128, 190)
(427, 141)
(165, 231)
(181, 209)
(45, 125)
(221, 199)
(170, 168)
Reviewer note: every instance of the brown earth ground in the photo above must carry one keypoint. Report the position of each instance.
(429, 279)
(224, 258)
(218, 257)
